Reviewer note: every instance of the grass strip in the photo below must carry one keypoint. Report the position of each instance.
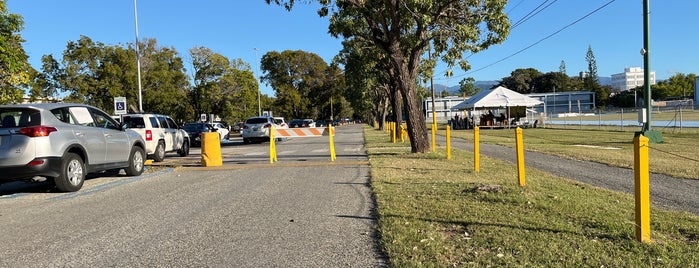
(677, 156)
(435, 212)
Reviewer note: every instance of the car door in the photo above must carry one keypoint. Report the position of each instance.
(118, 147)
(88, 135)
(173, 140)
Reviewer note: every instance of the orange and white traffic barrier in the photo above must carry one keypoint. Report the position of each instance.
(299, 132)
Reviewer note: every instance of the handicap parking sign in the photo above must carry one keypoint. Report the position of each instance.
(119, 105)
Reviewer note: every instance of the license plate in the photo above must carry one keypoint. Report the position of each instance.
(256, 129)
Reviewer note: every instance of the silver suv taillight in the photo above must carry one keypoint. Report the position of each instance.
(37, 131)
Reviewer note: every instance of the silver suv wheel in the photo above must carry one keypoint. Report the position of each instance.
(136, 160)
(72, 174)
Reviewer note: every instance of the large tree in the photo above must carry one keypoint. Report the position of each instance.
(467, 86)
(295, 76)
(15, 70)
(403, 30)
(522, 80)
(591, 80)
(94, 73)
(368, 84)
(223, 87)
(678, 85)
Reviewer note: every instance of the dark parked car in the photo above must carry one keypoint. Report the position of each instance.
(63, 142)
(321, 123)
(302, 123)
(195, 129)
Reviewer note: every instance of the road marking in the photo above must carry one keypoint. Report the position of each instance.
(356, 150)
(254, 153)
(286, 152)
(275, 165)
(320, 151)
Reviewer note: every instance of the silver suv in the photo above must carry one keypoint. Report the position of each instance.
(161, 134)
(63, 142)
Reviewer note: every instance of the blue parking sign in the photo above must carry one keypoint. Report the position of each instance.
(119, 105)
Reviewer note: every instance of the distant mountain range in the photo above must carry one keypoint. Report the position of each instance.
(454, 90)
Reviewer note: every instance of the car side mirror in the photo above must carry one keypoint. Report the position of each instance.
(124, 126)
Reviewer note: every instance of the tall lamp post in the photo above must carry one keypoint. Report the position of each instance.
(653, 136)
(259, 107)
(138, 58)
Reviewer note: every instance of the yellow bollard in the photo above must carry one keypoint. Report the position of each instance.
(211, 149)
(272, 146)
(448, 142)
(642, 188)
(331, 132)
(520, 157)
(393, 132)
(476, 149)
(434, 137)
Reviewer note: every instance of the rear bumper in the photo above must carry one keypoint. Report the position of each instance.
(49, 167)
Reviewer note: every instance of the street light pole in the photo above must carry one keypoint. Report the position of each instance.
(138, 58)
(653, 136)
(646, 65)
(259, 107)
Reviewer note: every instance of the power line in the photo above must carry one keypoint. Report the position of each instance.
(529, 15)
(540, 40)
(515, 6)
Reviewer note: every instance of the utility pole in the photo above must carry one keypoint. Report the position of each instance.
(653, 136)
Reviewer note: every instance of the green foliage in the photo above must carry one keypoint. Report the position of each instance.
(403, 30)
(624, 99)
(591, 78)
(677, 85)
(15, 70)
(367, 82)
(562, 68)
(295, 76)
(467, 86)
(521, 80)
(226, 88)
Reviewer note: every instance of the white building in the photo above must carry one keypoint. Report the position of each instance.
(442, 108)
(632, 77)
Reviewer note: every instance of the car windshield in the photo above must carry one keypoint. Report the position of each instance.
(194, 127)
(257, 120)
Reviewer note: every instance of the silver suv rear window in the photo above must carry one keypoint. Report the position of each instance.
(257, 120)
(22, 117)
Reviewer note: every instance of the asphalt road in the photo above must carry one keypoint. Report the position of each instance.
(665, 191)
(303, 211)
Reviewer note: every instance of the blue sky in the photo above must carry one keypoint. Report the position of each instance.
(236, 28)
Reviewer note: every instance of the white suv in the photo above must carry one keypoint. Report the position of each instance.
(161, 134)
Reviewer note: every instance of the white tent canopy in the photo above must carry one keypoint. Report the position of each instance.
(495, 98)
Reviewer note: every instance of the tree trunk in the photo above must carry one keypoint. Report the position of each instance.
(417, 130)
(397, 106)
(396, 98)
